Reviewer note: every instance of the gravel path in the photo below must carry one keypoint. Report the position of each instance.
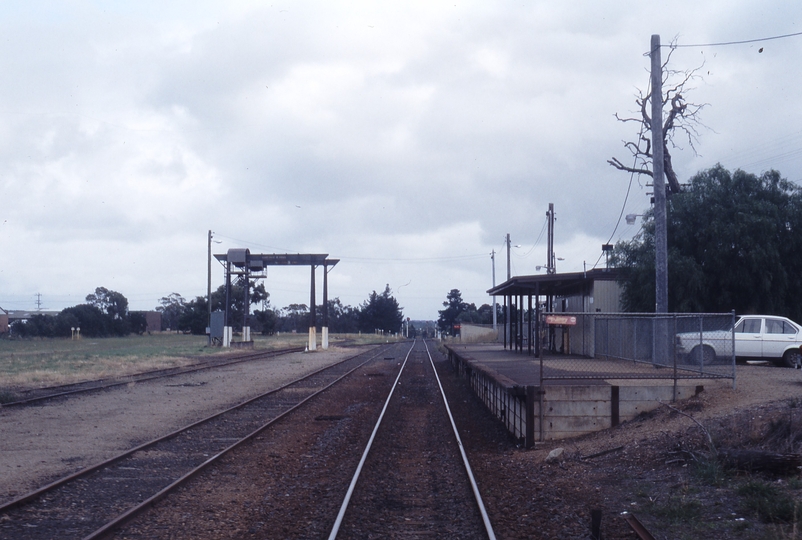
(43, 442)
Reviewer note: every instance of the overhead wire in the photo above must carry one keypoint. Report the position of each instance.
(723, 43)
(623, 206)
(539, 237)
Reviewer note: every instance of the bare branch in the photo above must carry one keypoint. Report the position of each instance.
(682, 120)
(621, 167)
(704, 429)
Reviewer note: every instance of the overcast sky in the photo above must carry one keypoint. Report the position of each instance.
(404, 138)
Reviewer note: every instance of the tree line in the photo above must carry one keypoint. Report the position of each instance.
(106, 313)
(734, 243)
(457, 311)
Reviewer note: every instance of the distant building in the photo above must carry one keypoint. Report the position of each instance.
(154, 319)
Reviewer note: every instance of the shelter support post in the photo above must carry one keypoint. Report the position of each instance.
(529, 347)
(506, 321)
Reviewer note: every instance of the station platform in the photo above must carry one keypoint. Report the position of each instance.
(577, 395)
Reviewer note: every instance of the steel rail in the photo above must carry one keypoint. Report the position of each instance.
(485, 518)
(136, 510)
(341, 514)
(88, 470)
(150, 375)
(638, 528)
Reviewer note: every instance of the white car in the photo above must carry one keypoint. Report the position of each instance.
(765, 337)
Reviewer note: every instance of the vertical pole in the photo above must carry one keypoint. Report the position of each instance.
(529, 345)
(550, 267)
(509, 305)
(529, 437)
(312, 320)
(660, 233)
(551, 264)
(227, 326)
(246, 330)
(539, 344)
(495, 322)
(209, 288)
(325, 325)
(506, 321)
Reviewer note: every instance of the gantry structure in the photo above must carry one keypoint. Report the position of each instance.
(241, 262)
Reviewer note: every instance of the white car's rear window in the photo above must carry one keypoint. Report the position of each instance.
(774, 326)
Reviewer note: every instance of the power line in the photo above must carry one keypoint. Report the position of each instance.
(676, 46)
(416, 259)
(623, 206)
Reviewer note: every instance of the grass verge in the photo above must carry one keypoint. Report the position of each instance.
(50, 362)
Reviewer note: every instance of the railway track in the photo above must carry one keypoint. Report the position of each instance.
(35, 395)
(414, 479)
(94, 501)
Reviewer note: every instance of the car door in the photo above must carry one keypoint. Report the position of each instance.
(749, 337)
(778, 334)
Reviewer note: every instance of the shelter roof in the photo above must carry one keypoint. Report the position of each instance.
(553, 284)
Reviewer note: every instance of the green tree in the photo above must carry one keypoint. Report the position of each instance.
(90, 319)
(380, 312)
(294, 318)
(342, 319)
(172, 308)
(194, 317)
(257, 295)
(265, 321)
(138, 322)
(734, 243)
(112, 303)
(454, 307)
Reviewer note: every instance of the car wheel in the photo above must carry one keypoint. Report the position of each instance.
(703, 355)
(793, 358)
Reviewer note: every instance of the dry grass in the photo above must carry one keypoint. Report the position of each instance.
(50, 362)
(47, 362)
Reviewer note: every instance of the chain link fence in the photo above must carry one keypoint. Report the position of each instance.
(638, 346)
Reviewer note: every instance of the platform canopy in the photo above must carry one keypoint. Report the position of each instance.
(553, 284)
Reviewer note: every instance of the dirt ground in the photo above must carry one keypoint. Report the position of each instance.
(64, 435)
(660, 467)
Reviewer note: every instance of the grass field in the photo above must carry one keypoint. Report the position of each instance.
(47, 362)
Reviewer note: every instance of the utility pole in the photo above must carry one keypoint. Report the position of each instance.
(660, 229)
(508, 256)
(493, 261)
(209, 286)
(507, 318)
(551, 267)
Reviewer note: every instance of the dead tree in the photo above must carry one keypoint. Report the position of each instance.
(681, 124)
